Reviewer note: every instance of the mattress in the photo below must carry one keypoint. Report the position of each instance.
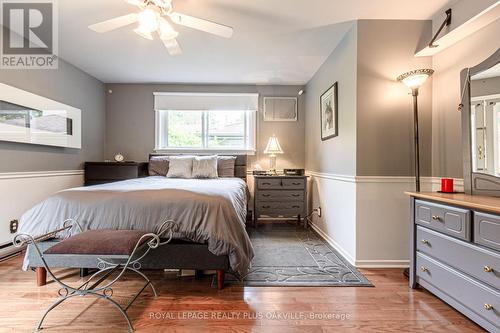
(209, 211)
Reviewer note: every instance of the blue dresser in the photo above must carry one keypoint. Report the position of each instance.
(455, 252)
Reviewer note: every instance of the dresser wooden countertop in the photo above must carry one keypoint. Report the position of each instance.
(490, 204)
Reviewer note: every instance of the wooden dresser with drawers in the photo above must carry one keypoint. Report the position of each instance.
(455, 252)
(280, 197)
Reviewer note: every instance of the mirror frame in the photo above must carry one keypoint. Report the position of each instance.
(474, 182)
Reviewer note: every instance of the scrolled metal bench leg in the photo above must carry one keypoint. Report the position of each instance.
(56, 303)
(145, 278)
(118, 306)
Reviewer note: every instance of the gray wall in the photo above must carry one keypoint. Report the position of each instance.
(384, 108)
(67, 85)
(484, 87)
(336, 155)
(446, 124)
(130, 122)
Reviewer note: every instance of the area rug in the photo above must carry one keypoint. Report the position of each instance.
(287, 255)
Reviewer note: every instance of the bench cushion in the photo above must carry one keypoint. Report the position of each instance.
(99, 242)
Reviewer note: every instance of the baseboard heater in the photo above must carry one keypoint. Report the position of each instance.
(8, 251)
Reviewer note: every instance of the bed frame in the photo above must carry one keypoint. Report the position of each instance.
(175, 255)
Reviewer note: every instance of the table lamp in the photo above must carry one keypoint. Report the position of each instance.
(273, 147)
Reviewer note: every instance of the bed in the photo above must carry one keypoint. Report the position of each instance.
(211, 214)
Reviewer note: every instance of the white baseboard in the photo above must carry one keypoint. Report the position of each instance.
(382, 263)
(334, 244)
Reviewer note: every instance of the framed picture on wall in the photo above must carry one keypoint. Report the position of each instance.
(329, 113)
(29, 118)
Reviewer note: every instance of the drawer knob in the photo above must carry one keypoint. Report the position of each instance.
(424, 269)
(436, 218)
(295, 206)
(265, 195)
(266, 183)
(488, 306)
(425, 241)
(295, 195)
(296, 183)
(488, 269)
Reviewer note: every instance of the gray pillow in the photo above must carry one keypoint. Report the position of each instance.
(158, 166)
(225, 166)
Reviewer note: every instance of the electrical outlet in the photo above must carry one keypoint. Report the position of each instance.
(319, 211)
(13, 226)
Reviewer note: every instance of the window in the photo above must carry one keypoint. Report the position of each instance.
(205, 130)
(205, 122)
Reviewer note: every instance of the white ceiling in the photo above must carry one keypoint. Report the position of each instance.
(275, 41)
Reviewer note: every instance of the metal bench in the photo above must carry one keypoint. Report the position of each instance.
(116, 251)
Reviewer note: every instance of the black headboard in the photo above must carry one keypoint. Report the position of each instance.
(240, 166)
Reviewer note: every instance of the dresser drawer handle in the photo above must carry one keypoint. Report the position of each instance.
(435, 217)
(424, 269)
(425, 241)
(296, 183)
(266, 183)
(295, 195)
(266, 195)
(488, 269)
(488, 306)
(266, 206)
(295, 206)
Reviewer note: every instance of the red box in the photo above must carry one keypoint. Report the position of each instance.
(447, 185)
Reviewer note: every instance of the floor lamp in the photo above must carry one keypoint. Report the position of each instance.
(413, 80)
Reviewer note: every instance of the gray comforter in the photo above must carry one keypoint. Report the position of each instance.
(208, 211)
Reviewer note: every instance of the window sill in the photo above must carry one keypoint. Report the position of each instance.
(204, 151)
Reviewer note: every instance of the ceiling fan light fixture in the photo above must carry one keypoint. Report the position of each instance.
(144, 33)
(148, 18)
(166, 31)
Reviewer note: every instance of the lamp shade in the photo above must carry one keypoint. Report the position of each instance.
(414, 79)
(273, 146)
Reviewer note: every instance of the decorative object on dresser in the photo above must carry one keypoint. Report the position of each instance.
(273, 147)
(280, 197)
(480, 105)
(119, 158)
(280, 108)
(413, 80)
(29, 118)
(106, 172)
(329, 113)
(455, 252)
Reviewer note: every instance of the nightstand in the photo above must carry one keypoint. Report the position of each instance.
(107, 172)
(280, 197)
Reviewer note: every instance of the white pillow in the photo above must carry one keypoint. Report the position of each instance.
(180, 167)
(205, 167)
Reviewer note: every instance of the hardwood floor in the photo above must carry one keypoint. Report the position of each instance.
(189, 305)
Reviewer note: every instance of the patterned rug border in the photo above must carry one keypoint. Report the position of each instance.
(363, 281)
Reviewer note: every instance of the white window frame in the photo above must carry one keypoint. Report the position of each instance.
(250, 129)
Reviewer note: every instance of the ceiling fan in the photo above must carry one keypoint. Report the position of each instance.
(153, 18)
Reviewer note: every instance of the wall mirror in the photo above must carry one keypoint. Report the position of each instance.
(481, 126)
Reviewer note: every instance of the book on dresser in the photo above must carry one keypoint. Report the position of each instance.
(107, 172)
(280, 197)
(455, 252)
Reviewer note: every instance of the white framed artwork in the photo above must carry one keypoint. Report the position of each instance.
(29, 118)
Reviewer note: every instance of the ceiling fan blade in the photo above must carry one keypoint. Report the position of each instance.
(172, 46)
(135, 2)
(114, 23)
(201, 24)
